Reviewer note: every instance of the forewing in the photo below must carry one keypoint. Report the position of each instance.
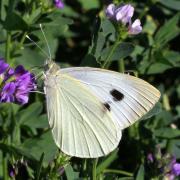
(128, 97)
(81, 124)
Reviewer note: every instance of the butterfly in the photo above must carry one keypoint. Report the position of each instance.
(89, 107)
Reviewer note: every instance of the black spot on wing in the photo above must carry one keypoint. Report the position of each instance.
(117, 96)
(107, 106)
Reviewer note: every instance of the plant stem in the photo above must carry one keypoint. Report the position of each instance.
(95, 161)
(106, 62)
(4, 165)
(118, 172)
(19, 46)
(1, 11)
(121, 65)
(22, 39)
(8, 42)
(84, 165)
(166, 102)
(39, 167)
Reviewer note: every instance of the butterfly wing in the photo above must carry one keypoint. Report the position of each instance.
(81, 124)
(128, 97)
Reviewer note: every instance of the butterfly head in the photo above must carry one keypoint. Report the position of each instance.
(51, 67)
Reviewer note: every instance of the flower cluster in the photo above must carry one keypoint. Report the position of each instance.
(123, 14)
(165, 165)
(15, 84)
(58, 3)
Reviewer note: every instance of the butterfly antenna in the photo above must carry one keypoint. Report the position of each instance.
(46, 41)
(38, 46)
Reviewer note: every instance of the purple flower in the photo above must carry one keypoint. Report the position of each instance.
(12, 174)
(8, 74)
(135, 27)
(3, 66)
(7, 94)
(25, 83)
(59, 4)
(176, 169)
(22, 96)
(169, 177)
(165, 164)
(124, 13)
(16, 85)
(121, 13)
(61, 170)
(150, 157)
(19, 70)
(110, 11)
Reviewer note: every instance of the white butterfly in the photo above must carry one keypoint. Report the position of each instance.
(88, 107)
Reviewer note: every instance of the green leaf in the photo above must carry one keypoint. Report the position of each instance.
(30, 112)
(39, 167)
(99, 44)
(2, 34)
(178, 112)
(173, 4)
(2, 49)
(92, 4)
(3, 9)
(167, 133)
(158, 68)
(14, 21)
(30, 58)
(70, 173)
(164, 118)
(167, 32)
(107, 27)
(138, 50)
(123, 50)
(140, 174)
(150, 26)
(70, 12)
(34, 16)
(54, 26)
(51, 35)
(173, 57)
(173, 147)
(16, 151)
(43, 144)
(107, 161)
(37, 122)
(156, 110)
(56, 19)
(89, 60)
(159, 63)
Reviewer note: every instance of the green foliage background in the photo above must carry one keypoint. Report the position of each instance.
(80, 35)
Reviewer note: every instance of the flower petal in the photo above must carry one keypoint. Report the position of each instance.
(136, 27)
(3, 66)
(176, 169)
(7, 94)
(110, 11)
(59, 4)
(124, 13)
(22, 97)
(19, 70)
